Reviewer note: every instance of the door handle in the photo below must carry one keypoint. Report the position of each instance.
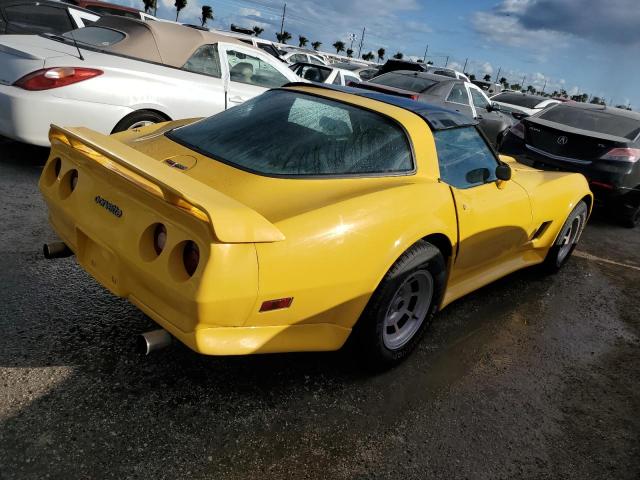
(480, 117)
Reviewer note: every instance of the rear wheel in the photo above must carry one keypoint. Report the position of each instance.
(567, 239)
(630, 210)
(138, 119)
(402, 306)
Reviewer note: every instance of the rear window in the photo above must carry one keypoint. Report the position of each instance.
(519, 99)
(95, 36)
(601, 121)
(293, 134)
(409, 82)
(99, 9)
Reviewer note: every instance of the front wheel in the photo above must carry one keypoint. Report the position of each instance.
(402, 306)
(567, 239)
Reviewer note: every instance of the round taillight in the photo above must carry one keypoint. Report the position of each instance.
(159, 238)
(190, 257)
(57, 166)
(73, 179)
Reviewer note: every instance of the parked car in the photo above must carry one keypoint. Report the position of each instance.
(20, 17)
(257, 42)
(365, 72)
(393, 65)
(602, 143)
(447, 72)
(458, 95)
(306, 215)
(521, 105)
(324, 74)
(489, 87)
(298, 56)
(125, 73)
(104, 8)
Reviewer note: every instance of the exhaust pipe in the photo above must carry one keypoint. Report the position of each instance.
(56, 250)
(151, 341)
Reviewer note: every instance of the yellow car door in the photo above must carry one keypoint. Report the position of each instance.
(494, 216)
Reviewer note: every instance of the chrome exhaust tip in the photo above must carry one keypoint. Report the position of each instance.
(56, 250)
(151, 341)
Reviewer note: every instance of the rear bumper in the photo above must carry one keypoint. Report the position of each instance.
(248, 340)
(26, 116)
(606, 179)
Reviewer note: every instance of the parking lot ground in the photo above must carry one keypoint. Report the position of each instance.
(532, 377)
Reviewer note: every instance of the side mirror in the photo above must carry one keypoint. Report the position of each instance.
(493, 107)
(503, 172)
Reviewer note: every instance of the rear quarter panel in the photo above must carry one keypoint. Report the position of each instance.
(333, 258)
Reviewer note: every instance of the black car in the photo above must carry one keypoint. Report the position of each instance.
(602, 143)
(42, 16)
(455, 94)
(393, 65)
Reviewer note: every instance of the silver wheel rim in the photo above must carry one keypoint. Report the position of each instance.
(407, 309)
(570, 236)
(140, 124)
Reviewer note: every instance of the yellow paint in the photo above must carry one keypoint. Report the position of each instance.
(325, 242)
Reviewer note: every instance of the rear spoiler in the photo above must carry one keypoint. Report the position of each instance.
(230, 221)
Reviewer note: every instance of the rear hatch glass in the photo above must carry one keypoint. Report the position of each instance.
(409, 82)
(603, 121)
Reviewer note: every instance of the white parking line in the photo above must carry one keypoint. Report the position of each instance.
(588, 256)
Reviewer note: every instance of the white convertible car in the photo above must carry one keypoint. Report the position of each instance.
(122, 73)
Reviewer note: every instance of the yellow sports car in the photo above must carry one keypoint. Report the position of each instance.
(303, 216)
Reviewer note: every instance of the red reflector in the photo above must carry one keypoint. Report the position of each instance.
(56, 77)
(414, 97)
(602, 184)
(276, 304)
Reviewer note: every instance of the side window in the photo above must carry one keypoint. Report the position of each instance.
(2, 24)
(36, 18)
(479, 99)
(458, 94)
(245, 68)
(337, 81)
(298, 58)
(464, 158)
(350, 78)
(204, 60)
(368, 74)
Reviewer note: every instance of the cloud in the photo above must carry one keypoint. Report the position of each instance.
(545, 24)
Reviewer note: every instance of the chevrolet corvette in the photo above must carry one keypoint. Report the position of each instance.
(304, 216)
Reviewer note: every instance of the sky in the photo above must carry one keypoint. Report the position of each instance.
(582, 46)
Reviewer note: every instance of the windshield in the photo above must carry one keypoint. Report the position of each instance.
(409, 82)
(519, 99)
(95, 36)
(600, 120)
(294, 134)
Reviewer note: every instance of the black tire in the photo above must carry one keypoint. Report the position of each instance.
(567, 239)
(422, 260)
(630, 210)
(138, 117)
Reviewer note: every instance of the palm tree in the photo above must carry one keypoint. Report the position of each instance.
(257, 31)
(302, 41)
(368, 56)
(398, 56)
(207, 14)
(180, 4)
(472, 77)
(429, 62)
(530, 89)
(516, 86)
(487, 78)
(504, 81)
(316, 45)
(381, 53)
(339, 46)
(149, 5)
(283, 37)
(349, 52)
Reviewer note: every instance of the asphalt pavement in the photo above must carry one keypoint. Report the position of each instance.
(532, 377)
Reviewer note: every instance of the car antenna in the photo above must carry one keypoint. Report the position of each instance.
(75, 43)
